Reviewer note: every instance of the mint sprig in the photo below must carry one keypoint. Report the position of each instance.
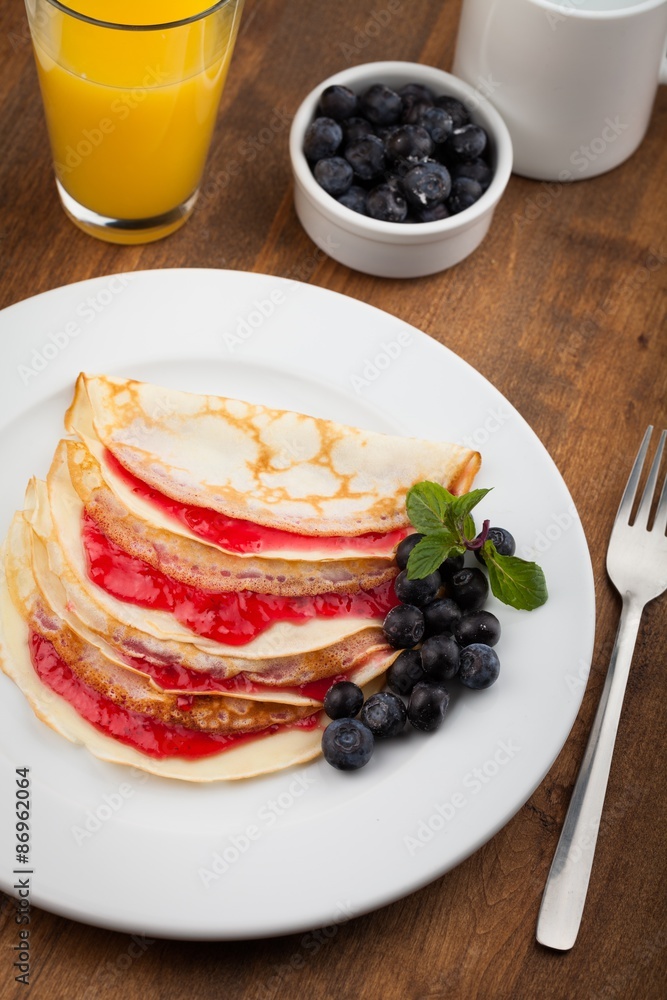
(427, 554)
(449, 529)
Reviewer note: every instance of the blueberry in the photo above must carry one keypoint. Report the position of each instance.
(404, 626)
(437, 122)
(426, 184)
(503, 541)
(405, 548)
(414, 110)
(449, 567)
(410, 93)
(381, 105)
(334, 174)
(465, 192)
(405, 671)
(470, 589)
(386, 204)
(409, 142)
(366, 157)
(323, 137)
(477, 170)
(475, 627)
(384, 714)
(479, 666)
(432, 213)
(441, 616)
(356, 128)
(385, 131)
(354, 198)
(427, 706)
(347, 744)
(384, 134)
(394, 182)
(337, 102)
(440, 657)
(455, 108)
(343, 700)
(467, 142)
(417, 592)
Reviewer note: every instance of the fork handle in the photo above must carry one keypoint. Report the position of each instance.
(567, 883)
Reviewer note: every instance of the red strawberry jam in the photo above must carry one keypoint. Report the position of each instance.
(236, 535)
(233, 618)
(174, 677)
(149, 736)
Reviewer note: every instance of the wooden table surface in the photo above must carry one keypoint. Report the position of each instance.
(563, 309)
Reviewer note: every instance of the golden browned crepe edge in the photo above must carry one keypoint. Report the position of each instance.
(54, 510)
(204, 566)
(359, 657)
(454, 467)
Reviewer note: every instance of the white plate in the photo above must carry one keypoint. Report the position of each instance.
(311, 846)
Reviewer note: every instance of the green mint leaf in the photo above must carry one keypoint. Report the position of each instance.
(456, 550)
(446, 522)
(515, 581)
(429, 553)
(427, 506)
(461, 506)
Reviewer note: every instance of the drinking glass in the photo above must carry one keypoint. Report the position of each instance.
(131, 91)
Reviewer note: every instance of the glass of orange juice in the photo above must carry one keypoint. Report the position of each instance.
(131, 91)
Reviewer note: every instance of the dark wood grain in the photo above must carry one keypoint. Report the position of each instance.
(563, 307)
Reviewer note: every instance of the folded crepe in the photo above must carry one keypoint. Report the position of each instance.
(192, 560)
(56, 513)
(182, 665)
(121, 719)
(196, 571)
(286, 471)
(91, 697)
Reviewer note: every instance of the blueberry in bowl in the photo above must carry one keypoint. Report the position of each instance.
(430, 160)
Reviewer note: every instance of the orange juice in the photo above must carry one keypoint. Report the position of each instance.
(130, 112)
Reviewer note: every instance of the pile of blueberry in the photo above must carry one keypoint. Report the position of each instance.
(398, 156)
(443, 633)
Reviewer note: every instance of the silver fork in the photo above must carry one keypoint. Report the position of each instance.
(637, 566)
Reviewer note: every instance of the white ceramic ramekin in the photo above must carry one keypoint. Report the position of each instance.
(391, 249)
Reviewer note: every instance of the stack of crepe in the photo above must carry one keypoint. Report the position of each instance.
(196, 571)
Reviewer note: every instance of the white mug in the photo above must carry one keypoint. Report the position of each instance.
(574, 80)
